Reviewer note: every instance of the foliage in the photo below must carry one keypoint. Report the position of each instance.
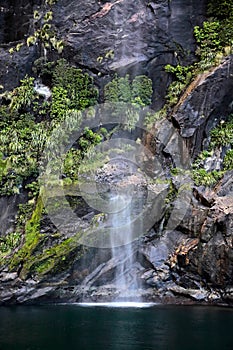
(228, 160)
(141, 90)
(223, 134)
(118, 90)
(90, 138)
(60, 102)
(21, 143)
(220, 8)
(121, 89)
(214, 41)
(45, 33)
(151, 117)
(205, 178)
(27, 121)
(9, 242)
(208, 39)
(214, 38)
(200, 161)
(33, 188)
(182, 73)
(23, 96)
(182, 76)
(74, 85)
(74, 156)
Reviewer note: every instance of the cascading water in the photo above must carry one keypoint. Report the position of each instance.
(124, 193)
(119, 191)
(125, 274)
(122, 204)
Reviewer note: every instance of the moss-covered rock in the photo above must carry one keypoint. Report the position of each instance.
(32, 237)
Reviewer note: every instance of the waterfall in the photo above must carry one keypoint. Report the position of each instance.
(120, 219)
(123, 205)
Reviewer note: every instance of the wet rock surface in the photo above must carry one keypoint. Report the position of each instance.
(193, 264)
(194, 261)
(8, 212)
(206, 101)
(104, 37)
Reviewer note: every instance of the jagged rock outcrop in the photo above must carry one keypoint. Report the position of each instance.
(209, 261)
(206, 101)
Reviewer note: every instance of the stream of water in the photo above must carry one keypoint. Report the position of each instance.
(125, 277)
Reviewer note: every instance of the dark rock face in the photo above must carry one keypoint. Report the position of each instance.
(194, 262)
(15, 19)
(14, 68)
(124, 36)
(8, 211)
(207, 100)
(15, 24)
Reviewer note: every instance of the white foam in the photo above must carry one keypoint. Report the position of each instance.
(127, 304)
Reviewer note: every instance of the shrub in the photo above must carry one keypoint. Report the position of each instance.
(23, 96)
(208, 38)
(228, 160)
(220, 8)
(222, 134)
(205, 178)
(138, 92)
(79, 85)
(142, 90)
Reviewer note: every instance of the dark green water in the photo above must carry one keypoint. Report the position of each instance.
(100, 328)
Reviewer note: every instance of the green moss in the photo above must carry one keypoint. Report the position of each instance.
(53, 259)
(32, 237)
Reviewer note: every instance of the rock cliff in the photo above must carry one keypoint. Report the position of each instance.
(107, 37)
(192, 262)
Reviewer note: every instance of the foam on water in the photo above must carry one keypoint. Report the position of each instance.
(127, 304)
